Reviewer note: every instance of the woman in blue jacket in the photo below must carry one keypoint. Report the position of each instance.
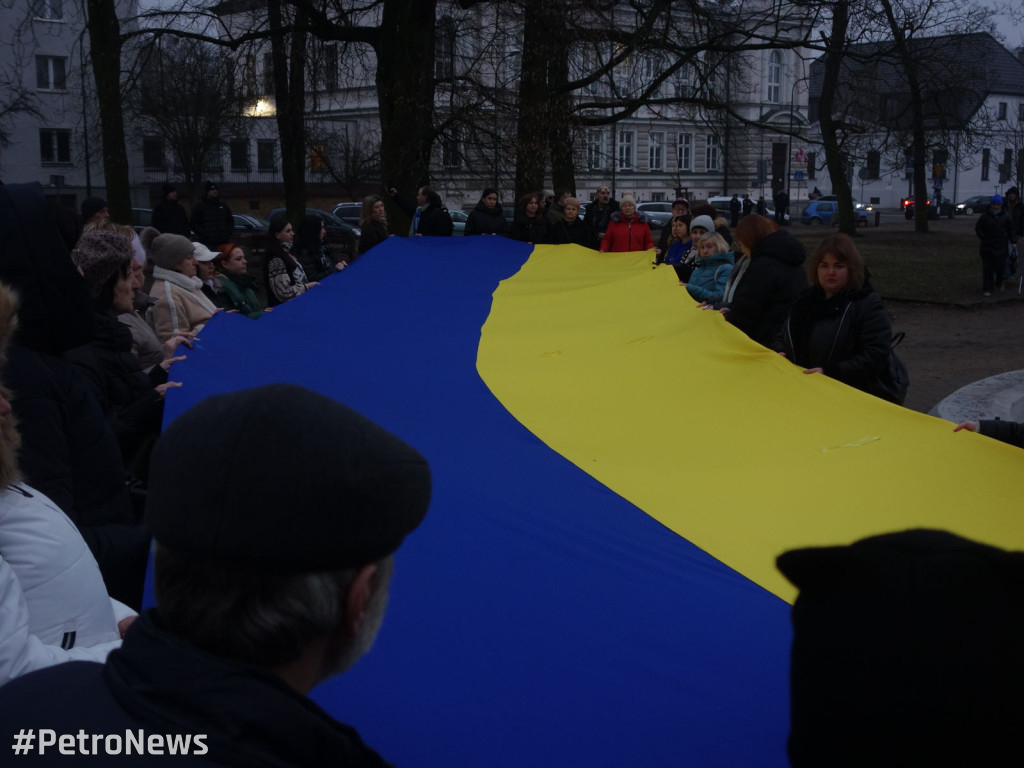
(711, 270)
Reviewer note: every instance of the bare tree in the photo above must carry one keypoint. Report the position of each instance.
(16, 100)
(188, 95)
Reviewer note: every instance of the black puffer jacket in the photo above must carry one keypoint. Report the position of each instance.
(848, 336)
(212, 222)
(486, 221)
(769, 286)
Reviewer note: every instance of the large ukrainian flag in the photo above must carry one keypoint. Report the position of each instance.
(615, 473)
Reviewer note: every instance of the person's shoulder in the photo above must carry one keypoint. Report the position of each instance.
(49, 691)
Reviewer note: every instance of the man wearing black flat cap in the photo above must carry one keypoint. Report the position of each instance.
(253, 609)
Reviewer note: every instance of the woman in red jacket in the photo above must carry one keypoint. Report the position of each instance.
(627, 229)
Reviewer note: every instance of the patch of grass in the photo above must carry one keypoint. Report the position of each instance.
(941, 266)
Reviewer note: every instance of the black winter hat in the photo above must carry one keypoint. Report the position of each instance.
(907, 651)
(325, 488)
(91, 206)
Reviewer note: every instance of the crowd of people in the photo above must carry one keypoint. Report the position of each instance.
(90, 355)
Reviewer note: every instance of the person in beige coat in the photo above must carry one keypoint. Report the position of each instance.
(181, 307)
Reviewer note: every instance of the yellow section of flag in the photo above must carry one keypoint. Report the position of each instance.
(612, 365)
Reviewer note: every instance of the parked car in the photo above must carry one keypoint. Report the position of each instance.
(973, 205)
(141, 218)
(246, 223)
(339, 233)
(826, 212)
(945, 208)
(349, 212)
(459, 219)
(659, 214)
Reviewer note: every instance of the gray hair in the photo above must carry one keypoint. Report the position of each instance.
(254, 616)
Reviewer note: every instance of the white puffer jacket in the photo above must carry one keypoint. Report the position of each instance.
(53, 604)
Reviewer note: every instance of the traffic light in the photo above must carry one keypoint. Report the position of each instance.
(939, 159)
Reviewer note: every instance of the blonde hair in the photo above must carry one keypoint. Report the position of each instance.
(720, 245)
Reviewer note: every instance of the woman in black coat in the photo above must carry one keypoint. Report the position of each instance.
(373, 224)
(839, 325)
(487, 218)
(766, 281)
(311, 249)
(132, 400)
(573, 229)
(530, 226)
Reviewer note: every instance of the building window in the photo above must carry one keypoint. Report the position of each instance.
(596, 160)
(986, 159)
(684, 152)
(444, 50)
(656, 152)
(250, 76)
(811, 160)
(239, 151)
(51, 73)
(682, 82)
(1002, 110)
(774, 93)
(266, 155)
(318, 158)
(268, 73)
(55, 145)
(713, 154)
(1007, 167)
(153, 157)
(330, 67)
(451, 154)
(874, 164)
(50, 10)
(625, 153)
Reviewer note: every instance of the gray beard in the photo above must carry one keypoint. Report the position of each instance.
(363, 642)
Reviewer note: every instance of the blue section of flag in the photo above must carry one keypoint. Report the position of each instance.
(536, 618)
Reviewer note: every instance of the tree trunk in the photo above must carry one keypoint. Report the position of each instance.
(919, 141)
(405, 93)
(290, 96)
(834, 156)
(563, 165)
(532, 127)
(105, 44)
